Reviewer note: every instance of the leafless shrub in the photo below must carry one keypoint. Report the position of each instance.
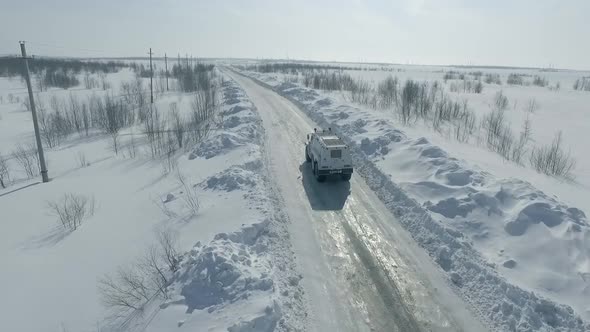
(178, 125)
(515, 79)
(540, 81)
(465, 125)
(519, 149)
(499, 137)
(582, 84)
(105, 85)
(4, 172)
(128, 290)
(28, 160)
(53, 123)
(136, 284)
(75, 113)
(115, 116)
(82, 162)
(387, 90)
(190, 198)
(467, 86)
(131, 146)
(553, 160)
(154, 129)
(532, 106)
(361, 92)
(72, 210)
(492, 79)
(500, 102)
(89, 81)
(168, 244)
(204, 108)
(169, 160)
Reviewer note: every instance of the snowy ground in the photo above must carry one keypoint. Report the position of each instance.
(430, 234)
(237, 271)
(361, 270)
(495, 226)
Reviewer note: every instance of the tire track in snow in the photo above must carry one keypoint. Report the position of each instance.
(380, 291)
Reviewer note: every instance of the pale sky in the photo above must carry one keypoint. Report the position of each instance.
(494, 32)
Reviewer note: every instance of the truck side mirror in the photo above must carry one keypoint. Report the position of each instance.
(308, 137)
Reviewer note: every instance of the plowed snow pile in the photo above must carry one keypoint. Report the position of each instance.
(519, 256)
(240, 281)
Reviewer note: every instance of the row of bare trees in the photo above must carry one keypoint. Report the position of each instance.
(427, 101)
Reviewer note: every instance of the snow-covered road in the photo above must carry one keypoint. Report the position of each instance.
(361, 269)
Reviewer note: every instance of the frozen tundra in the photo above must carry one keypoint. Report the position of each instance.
(328, 155)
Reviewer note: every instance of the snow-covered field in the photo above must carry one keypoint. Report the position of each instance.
(263, 248)
(235, 262)
(515, 243)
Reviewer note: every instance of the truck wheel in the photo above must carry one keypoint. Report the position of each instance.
(318, 177)
(307, 158)
(346, 177)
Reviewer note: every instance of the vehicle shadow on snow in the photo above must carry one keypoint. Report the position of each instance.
(327, 196)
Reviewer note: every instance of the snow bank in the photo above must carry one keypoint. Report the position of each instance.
(240, 126)
(226, 270)
(240, 281)
(233, 178)
(476, 213)
(264, 323)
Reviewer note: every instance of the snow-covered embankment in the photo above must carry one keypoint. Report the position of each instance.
(243, 280)
(459, 214)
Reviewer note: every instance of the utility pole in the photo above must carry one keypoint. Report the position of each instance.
(151, 78)
(44, 174)
(166, 63)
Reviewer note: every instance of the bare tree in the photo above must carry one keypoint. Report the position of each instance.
(532, 105)
(519, 149)
(136, 284)
(4, 172)
(75, 113)
(72, 210)
(168, 242)
(178, 125)
(114, 120)
(190, 198)
(128, 290)
(553, 160)
(500, 101)
(27, 158)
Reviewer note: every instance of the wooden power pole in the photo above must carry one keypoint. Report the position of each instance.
(151, 78)
(44, 174)
(166, 64)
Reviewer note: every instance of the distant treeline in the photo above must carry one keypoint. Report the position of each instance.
(293, 68)
(12, 66)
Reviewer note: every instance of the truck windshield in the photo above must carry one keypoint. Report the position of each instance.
(336, 153)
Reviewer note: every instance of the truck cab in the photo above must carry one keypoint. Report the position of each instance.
(328, 155)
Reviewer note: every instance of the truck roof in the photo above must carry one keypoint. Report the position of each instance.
(330, 139)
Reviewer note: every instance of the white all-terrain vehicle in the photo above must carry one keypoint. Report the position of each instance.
(328, 155)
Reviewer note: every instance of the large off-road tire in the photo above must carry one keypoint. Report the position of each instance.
(346, 177)
(318, 177)
(307, 157)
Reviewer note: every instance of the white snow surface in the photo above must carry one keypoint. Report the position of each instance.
(235, 274)
(517, 254)
(242, 277)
